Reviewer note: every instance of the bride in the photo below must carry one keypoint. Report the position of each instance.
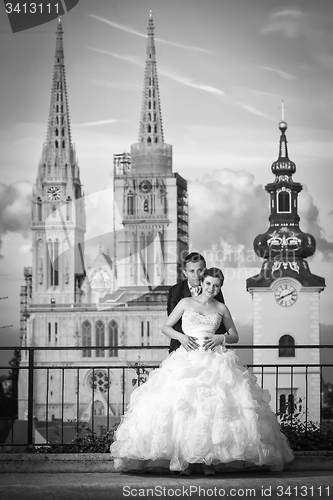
(201, 406)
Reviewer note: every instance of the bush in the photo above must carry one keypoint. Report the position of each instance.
(308, 436)
(85, 441)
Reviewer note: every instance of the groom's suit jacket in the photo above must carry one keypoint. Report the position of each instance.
(176, 294)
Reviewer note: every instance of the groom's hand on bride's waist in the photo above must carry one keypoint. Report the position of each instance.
(189, 343)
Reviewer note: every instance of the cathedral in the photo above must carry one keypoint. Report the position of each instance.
(118, 301)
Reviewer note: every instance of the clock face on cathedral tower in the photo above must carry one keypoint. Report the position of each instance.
(54, 193)
(145, 186)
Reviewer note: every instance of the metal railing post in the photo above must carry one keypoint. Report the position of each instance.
(30, 396)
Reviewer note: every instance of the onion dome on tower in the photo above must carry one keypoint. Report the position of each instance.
(284, 246)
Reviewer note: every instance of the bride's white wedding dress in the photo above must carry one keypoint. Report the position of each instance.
(199, 407)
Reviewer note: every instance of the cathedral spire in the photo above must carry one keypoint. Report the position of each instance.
(151, 129)
(58, 150)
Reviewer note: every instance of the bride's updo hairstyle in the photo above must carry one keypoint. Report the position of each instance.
(214, 272)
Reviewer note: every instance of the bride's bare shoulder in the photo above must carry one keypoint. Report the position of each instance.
(222, 308)
(184, 302)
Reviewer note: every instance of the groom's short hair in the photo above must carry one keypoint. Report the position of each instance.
(194, 257)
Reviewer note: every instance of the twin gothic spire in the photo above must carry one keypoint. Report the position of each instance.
(58, 150)
(151, 130)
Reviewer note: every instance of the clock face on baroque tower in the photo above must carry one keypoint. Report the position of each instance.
(53, 193)
(285, 295)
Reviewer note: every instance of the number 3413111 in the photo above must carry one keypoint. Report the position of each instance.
(32, 8)
(303, 491)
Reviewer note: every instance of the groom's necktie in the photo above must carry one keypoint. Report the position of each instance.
(195, 290)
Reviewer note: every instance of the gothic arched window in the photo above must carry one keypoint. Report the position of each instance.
(98, 408)
(149, 140)
(286, 347)
(56, 263)
(149, 129)
(113, 338)
(149, 105)
(56, 144)
(283, 201)
(53, 264)
(130, 203)
(39, 210)
(100, 338)
(86, 338)
(68, 208)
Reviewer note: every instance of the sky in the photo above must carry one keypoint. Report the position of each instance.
(224, 69)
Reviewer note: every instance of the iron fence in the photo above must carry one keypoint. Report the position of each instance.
(31, 372)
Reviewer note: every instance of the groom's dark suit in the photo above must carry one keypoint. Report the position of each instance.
(176, 294)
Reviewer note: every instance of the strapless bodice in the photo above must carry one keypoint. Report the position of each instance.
(199, 325)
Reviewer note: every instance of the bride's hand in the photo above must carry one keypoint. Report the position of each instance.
(189, 343)
(214, 341)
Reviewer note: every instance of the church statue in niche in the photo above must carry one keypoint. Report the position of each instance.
(100, 281)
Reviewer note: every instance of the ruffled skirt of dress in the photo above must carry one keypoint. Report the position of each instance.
(199, 407)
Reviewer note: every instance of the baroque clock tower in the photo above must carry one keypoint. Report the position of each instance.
(286, 297)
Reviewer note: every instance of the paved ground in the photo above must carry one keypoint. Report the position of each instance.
(97, 486)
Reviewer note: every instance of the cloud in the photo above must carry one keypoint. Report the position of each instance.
(95, 124)
(128, 29)
(228, 210)
(326, 60)
(15, 208)
(128, 58)
(117, 85)
(253, 110)
(184, 80)
(282, 74)
(293, 13)
(285, 22)
(260, 93)
(310, 223)
(226, 214)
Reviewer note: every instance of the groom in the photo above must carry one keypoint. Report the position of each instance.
(194, 266)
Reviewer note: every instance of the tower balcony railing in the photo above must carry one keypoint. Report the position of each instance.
(55, 389)
(144, 217)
